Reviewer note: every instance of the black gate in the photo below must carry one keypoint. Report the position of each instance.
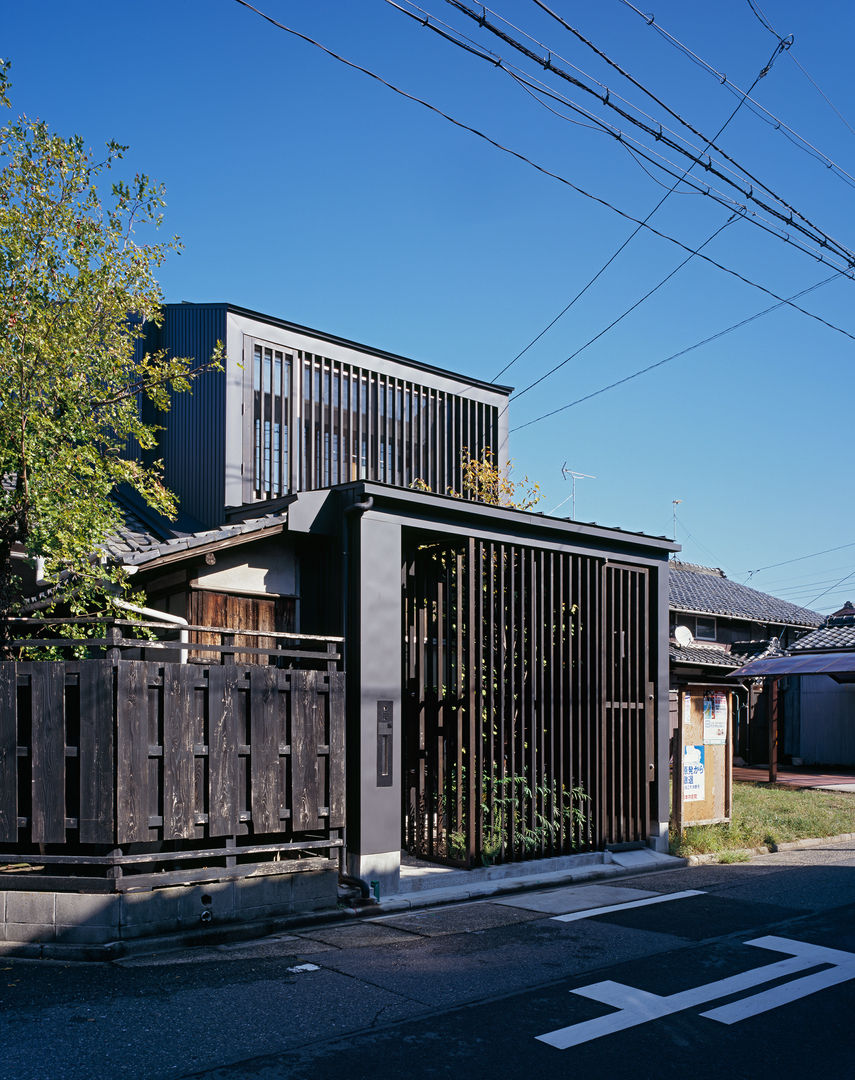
(527, 718)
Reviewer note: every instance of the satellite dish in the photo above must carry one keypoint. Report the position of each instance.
(683, 636)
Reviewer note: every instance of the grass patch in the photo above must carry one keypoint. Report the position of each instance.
(770, 814)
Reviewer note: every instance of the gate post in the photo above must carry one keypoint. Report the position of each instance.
(374, 703)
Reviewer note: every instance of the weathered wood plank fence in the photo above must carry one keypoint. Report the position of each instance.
(118, 763)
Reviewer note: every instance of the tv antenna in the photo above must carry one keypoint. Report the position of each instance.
(674, 504)
(573, 477)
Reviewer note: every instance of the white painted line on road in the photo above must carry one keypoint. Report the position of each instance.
(572, 916)
(842, 971)
(637, 1007)
(300, 968)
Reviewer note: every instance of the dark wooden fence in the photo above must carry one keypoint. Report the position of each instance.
(528, 724)
(133, 764)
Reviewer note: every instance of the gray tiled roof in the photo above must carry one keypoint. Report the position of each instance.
(701, 589)
(134, 537)
(702, 655)
(745, 651)
(839, 633)
(141, 541)
(200, 539)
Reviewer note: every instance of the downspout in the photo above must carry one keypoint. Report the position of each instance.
(354, 508)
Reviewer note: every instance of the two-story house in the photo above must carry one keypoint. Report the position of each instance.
(507, 672)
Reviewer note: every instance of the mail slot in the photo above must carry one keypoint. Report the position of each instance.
(384, 744)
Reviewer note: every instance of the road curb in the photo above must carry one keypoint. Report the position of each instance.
(766, 849)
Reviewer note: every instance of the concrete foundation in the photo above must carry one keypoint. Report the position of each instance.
(85, 925)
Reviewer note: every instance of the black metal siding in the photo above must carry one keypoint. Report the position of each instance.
(193, 445)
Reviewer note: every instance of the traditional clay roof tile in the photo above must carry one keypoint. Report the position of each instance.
(705, 590)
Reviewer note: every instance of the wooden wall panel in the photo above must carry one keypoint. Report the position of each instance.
(48, 753)
(8, 753)
(97, 746)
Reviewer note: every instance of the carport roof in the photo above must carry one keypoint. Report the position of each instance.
(820, 663)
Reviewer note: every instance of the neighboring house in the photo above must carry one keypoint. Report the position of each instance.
(825, 734)
(728, 625)
(294, 467)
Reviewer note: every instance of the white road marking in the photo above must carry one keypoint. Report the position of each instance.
(842, 971)
(300, 968)
(638, 1006)
(572, 916)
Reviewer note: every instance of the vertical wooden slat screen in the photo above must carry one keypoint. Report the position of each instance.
(526, 724)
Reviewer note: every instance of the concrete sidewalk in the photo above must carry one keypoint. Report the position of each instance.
(424, 884)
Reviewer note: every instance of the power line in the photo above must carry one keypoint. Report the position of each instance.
(785, 46)
(535, 87)
(817, 236)
(425, 21)
(541, 168)
(673, 356)
(799, 558)
(612, 258)
(755, 106)
(761, 18)
(623, 315)
(832, 587)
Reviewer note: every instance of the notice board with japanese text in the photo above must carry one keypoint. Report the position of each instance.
(703, 756)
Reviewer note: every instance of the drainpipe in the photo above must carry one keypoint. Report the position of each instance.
(160, 616)
(355, 508)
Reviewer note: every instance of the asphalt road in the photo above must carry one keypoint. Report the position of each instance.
(637, 978)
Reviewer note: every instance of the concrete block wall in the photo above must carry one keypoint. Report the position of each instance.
(52, 923)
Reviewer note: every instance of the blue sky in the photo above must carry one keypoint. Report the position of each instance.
(302, 188)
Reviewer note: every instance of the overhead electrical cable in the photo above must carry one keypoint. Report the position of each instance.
(759, 110)
(761, 18)
(536, 382)
(786, 44)
(789, 218)
(427, 20)
(608, 262)
(831, 588)
(659, 161)
(544, 171)
(675, 356)
(431, 22)
(799, 558)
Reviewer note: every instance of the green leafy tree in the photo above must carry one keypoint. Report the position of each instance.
(485, 481)
(76, 289)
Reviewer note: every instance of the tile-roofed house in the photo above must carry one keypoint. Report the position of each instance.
(838, 632)
(704, 590)
(729, 624)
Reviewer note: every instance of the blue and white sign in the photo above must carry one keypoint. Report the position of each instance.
(693, 774)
